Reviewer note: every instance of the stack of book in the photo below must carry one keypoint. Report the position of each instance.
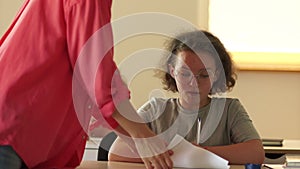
(292, 161)
(272, 142)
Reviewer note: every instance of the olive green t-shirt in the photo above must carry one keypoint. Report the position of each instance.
(224, 121)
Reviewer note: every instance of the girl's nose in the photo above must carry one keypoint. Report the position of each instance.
(193, 82)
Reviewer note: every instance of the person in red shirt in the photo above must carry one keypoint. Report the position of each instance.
(40, 106)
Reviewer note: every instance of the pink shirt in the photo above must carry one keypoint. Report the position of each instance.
(37, 58)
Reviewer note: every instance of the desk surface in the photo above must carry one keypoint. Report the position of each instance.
(123, 165)
(288, 147)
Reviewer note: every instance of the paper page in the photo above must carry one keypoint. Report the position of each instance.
(186, 155)
(273, 166)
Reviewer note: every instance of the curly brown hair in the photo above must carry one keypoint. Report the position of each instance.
(197, 41)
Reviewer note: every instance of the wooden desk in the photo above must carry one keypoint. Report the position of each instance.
(122, 165)
(288, 147)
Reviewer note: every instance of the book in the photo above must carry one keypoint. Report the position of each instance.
(272, 142)
(292, 160)
(291, 167)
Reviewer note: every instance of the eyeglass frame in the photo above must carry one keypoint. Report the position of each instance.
(210, 73)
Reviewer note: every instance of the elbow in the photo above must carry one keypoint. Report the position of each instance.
(261, 156)
(257, 151)
(113, 157)
(259, 159)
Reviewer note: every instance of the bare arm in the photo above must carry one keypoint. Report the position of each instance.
(241, 153)
(153, 152)
(120, 151)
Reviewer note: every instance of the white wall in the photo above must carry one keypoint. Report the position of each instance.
(272, 98)
(8, 9)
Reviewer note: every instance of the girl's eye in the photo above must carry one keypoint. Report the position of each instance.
(204, 75)
(185, 74)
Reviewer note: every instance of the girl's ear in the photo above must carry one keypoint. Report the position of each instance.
(171, 70)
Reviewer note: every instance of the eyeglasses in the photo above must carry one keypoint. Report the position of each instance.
(186, 76)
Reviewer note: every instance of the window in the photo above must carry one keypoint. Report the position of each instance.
(260, 34)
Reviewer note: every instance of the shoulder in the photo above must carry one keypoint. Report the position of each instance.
(91, 7)
(229, 101)
(70, 3)
(231, 105)
(235, 109)
(154, 107)
(154, 103)
(233, 102)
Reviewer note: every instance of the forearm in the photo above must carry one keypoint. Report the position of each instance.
(114, 157)
(248, 152)
(132, 124)
(120, 151)
(151, 149)
(128, 130)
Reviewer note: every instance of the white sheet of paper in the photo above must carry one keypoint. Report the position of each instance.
(186, 155)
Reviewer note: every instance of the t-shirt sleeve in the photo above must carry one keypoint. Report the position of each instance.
(147, 111)
(151, 111)
(242, 128)
(90, 47)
